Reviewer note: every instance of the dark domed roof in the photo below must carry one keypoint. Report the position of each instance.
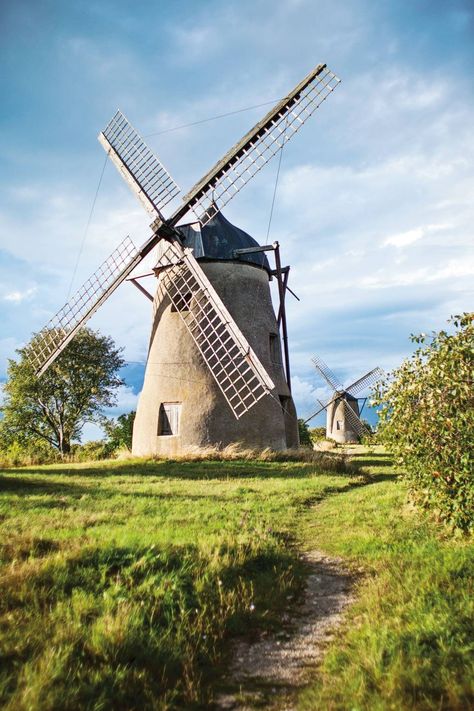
(218, 239)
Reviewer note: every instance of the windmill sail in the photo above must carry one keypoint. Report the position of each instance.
(144, 173)
(365, 381)
(259, 145)
(236, 369)
(354, 421)
(54, 337)
(327, 373)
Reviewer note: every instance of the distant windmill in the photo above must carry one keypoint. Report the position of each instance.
(214, 372)
(343, 423)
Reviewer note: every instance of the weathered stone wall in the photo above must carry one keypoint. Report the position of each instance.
(176, 372)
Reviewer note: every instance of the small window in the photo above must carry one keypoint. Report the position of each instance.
(168, 418)
(183, 302)
(339, 425)
(275, 350)
(284, 401)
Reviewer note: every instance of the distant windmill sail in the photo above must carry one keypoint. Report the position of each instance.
(365, 381)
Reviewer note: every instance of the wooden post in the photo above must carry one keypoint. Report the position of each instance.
(282, 312)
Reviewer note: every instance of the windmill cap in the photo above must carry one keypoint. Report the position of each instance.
(218, 239)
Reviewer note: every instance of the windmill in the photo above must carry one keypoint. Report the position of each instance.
(343, 423)
(214, 372)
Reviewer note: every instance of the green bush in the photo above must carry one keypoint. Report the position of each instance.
(427, 421)
(317, 434)
(92, 451)
(19, 454)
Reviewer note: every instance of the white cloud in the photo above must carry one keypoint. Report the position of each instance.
(126, 400)
(19, 296)
(403, 239)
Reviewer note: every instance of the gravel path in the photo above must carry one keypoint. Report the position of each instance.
(267, 672)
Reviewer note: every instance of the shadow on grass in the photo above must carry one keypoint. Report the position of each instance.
(18, 484)
(372, 459)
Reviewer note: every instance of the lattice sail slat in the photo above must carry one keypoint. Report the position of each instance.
(365, 381)
(145, 174)
(327, 373)
(53, 338)
(355, 422)
(236, 369)
(245, 159)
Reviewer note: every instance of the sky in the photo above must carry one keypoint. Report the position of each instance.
(374, 205)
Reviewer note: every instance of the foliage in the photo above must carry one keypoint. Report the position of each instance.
(16, 454)
(120, 431)
(92, 451)
(427, 420)
(304, 434)
(120, 582)
(74, 390)
(407, 642)
(317, 434)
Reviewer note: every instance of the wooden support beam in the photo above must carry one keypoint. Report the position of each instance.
(282, 312)
(141, 288)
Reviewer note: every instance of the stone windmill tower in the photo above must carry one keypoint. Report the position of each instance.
(214, 373)
(181, 405)
(343, 423)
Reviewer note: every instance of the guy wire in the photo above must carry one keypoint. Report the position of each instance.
(86, 229)
(210, 118)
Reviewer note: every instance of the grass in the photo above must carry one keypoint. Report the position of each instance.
(408, 641)
(121, 582)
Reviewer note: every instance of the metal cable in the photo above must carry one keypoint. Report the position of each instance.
(86, 229)
(211, 118)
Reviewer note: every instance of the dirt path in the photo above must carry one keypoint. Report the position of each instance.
(268, 672)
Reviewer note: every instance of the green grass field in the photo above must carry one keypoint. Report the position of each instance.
(121, 583)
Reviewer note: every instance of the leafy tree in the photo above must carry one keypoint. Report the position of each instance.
(74, 390)
(426, 418)
(305, 437)
(119, 432)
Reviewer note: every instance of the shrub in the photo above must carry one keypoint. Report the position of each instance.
(18, 454)
(317, 434)
(427, 421)
(92, 451)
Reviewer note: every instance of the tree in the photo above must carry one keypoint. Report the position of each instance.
(426, 419)
(305, 438)
(74, 390)
(120, 431)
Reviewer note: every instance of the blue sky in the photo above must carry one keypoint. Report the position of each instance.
(374, 208)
